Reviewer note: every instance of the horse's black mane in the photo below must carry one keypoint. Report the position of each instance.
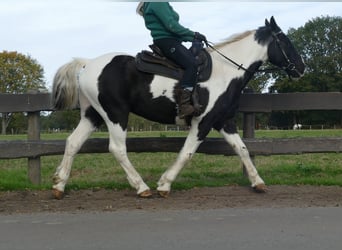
(263, 35)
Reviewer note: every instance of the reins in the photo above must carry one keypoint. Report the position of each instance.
(240, 66)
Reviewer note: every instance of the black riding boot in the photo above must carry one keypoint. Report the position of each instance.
(184, 106)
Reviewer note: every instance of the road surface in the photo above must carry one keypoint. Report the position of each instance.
(229, 228)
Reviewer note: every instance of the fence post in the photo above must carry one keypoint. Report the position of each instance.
(248, 126)
(33, 133)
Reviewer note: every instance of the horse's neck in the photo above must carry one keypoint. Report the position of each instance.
(245, 51)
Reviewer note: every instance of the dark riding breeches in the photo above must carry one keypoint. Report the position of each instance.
(174, 50)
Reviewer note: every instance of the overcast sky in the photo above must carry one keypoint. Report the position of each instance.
(55, 31)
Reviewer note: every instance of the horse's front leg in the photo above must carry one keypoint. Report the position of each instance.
(241, 150)
(190, 146)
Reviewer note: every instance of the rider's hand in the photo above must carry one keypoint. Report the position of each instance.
(200, 37)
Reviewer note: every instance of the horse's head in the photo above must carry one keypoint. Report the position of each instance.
(281, 51)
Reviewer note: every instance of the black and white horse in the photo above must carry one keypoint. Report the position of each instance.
(109, 87)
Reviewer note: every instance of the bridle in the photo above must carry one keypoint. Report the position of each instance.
(290, 65)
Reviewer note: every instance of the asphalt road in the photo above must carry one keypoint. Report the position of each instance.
(259, 228)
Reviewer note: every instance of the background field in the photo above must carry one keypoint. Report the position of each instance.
(101, 170)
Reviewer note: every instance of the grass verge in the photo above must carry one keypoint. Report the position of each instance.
(101, 170)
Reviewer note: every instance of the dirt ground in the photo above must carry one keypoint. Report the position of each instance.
(97, 200)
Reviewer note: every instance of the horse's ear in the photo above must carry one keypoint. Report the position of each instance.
(273, 22)
(274, 25)
(267, 23)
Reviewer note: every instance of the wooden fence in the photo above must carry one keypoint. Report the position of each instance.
(34, 148)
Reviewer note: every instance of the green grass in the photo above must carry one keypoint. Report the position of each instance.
(101, 170)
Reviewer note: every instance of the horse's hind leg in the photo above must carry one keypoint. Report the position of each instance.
(233, 138)
(73, 145)
(117, 146)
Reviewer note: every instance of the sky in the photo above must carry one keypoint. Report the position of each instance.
(55, 31)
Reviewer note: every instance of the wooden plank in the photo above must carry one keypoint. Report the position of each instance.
(248, 102)
(255, 103)
(290, 101)
(25, 102)
(294, 145)
(216, 146)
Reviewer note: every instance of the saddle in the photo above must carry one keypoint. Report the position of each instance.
(156, 63)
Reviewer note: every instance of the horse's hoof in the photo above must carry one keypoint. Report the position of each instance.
(164, 194)
(260, 188)
(145, 194)
(57, 194)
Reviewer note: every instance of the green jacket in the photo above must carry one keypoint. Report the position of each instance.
(163, 22)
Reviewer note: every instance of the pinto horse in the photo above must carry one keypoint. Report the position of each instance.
(109, 87)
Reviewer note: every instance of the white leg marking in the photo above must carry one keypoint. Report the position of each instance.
(190, 146)
(73, 144)
(117, 146)
(241, 150)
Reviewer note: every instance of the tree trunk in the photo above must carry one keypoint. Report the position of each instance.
(4, 122)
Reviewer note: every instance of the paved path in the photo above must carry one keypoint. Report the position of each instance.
(260, 228)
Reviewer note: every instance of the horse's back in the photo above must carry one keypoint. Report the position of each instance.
(94, 67)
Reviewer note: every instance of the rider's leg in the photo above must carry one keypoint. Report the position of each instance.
(174, 50)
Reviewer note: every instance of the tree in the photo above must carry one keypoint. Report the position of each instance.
(18, 73)
(61, 120)
(319, 42)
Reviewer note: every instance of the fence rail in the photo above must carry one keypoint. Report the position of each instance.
(34, 149)
(250, 104)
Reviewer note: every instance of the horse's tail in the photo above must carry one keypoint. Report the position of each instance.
(65, 85)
